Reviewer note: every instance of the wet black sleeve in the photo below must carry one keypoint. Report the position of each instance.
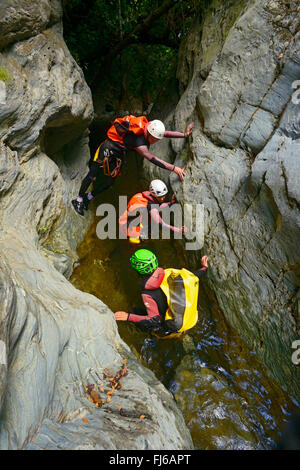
(200, 272)
(158, 163)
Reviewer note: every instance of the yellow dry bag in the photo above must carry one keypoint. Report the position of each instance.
(181, 289)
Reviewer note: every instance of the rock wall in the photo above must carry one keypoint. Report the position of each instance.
(54, 339)
(239, 72)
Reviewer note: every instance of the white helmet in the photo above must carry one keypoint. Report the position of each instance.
(156, 128)
(158, 188)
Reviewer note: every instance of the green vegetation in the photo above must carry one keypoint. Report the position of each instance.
(128, 46)
(4, 75)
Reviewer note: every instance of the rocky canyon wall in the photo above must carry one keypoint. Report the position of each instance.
(238, 74)
(54, 339)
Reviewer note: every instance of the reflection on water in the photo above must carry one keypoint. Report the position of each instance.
(225, 395)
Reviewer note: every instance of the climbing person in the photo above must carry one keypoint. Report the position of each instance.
(170, 296)
(147, 205)
(125, 134)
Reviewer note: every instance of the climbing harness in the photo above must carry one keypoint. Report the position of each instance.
(107, 160)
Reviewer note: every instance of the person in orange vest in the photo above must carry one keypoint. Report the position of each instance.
(153, 202)
(125, 134)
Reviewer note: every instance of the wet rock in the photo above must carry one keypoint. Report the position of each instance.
(242, 165)
(48, 102)
(20, 19)
(58, 340)
(54, 339)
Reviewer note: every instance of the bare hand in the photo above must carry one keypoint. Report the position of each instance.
(173, 199)
(180, 172)
(123, 316)
(204, 261)
(189, 129)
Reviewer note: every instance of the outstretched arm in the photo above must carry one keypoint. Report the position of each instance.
(176, 134)
(151, 312)
(155, 216)
(203, 270)
(144, 152)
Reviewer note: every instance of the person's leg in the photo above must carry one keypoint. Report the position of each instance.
(101, 184)
(84, 186)
(82, 200)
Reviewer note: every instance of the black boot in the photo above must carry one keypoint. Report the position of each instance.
(78, 206)
(85, 202)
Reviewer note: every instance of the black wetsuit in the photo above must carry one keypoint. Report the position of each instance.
(155, 300)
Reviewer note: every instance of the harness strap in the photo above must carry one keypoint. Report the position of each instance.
(116, 171)
(105, 163)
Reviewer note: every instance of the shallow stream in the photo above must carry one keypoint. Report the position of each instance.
(225, 394)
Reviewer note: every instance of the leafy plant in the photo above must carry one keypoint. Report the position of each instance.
(4, 75)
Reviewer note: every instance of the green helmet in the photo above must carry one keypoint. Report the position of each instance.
(144, 261)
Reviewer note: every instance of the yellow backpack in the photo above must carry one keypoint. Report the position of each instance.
(181, 289)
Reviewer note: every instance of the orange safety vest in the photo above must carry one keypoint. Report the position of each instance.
(128, 123)
(136, 202)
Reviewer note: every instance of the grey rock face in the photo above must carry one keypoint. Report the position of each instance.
(54, 339)
(47, 100)
(57, 341)
(242, 97)
(242, 164)
(20, 19)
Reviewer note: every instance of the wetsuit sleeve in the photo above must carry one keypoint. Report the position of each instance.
(174, 134)
(144, 152)
(155, 216)
(200, 272)
(151, 310)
